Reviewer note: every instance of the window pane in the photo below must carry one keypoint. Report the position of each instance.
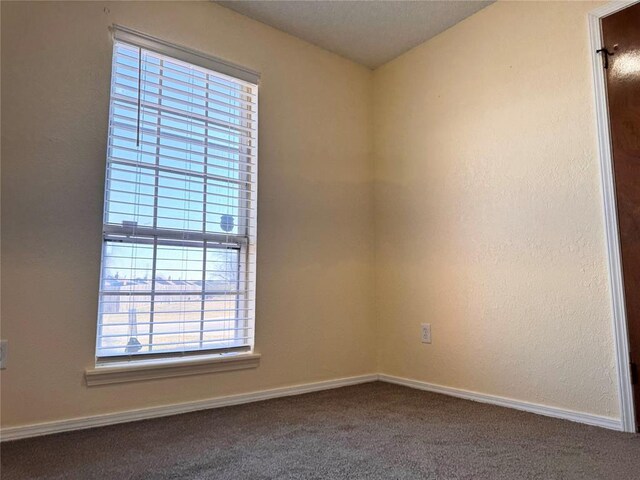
(179, 269)
(143, 310)
(124, 324)
(222, 269)
(127, 267)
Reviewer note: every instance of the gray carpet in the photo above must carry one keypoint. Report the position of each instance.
(371, 431)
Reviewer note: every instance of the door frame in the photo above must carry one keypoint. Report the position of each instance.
(620, 327)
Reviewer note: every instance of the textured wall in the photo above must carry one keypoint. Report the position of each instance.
(489, 221)
(488, 218)
(315, 265)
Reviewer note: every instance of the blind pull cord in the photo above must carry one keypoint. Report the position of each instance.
(139, 95)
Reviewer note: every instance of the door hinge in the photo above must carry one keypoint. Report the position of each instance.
(605, 56)
(634, 373)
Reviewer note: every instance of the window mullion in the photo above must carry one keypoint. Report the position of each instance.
(152, 295)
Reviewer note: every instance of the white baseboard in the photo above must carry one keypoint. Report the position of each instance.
(38, 429)
(580, 417)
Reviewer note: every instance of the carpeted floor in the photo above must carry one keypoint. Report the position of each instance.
(371, 431)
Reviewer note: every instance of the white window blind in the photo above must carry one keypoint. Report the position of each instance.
(179, 236)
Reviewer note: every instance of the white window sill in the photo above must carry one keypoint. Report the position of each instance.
(152, 369)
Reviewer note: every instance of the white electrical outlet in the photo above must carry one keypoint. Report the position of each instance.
(426, 332)
(3, 354)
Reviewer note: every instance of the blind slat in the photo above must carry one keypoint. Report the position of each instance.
(144, 105)
(150, 129)
(191, 123)
(164, 158)
(179, 171)
(147, 98)
(222, 99)
(233, 91)
(208, 136)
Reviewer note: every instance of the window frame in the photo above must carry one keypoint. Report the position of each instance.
(244, 241)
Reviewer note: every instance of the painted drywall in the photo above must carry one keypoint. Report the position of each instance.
(489, 220)
(315, 236)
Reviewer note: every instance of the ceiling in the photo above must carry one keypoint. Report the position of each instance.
(368, 32)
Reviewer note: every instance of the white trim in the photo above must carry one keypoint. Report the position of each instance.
(38, 429)
(138, 370)
(611, 8)
(620, 331)
(580, 417)
(48, 428)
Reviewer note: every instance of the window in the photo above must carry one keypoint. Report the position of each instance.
(179, 236)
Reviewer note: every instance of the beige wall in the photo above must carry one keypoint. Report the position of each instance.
(489, 222)
(315, 267)
(488, 218)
